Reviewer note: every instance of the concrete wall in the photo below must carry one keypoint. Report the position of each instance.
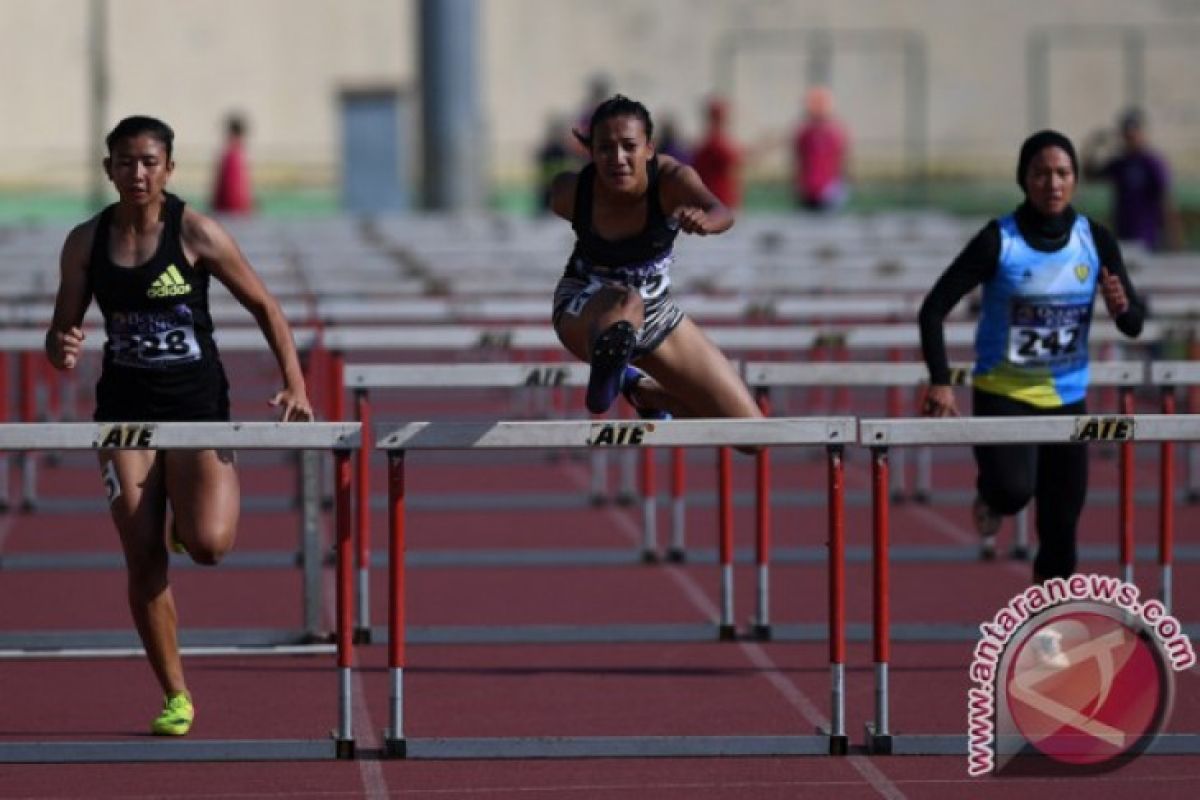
(283, 62)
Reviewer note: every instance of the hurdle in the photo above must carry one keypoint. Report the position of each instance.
(28, 346)
(362, 378)
(831, 433)
(1168, 376)
(768, 375)
(880, 435)
(341, 438)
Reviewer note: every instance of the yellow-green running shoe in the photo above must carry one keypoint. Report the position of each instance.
(175, 543)
(176, 717)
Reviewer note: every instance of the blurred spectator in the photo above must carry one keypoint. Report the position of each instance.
(819, 155)
(718, 159)
(670, 143)
(599, 89)
(553, 157)
(232, 193)
(1141, 180)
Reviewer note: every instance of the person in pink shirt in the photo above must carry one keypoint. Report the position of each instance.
(819, 150)
(231, 191)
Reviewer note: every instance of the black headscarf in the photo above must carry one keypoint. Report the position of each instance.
(1038, 142)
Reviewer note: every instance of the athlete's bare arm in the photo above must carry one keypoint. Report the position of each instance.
(562, 195)
(213, 249)
(64, 339)
(685, 197)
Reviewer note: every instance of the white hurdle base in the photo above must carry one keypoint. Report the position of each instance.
(951, 744)
(174, 750)
(610, 747)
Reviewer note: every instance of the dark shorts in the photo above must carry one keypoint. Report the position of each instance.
(193, 394)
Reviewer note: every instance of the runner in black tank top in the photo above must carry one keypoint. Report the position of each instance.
(612, 307)
(147, 259)
(160, 360)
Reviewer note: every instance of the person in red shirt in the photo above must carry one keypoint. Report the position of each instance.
(231, 191)
(718, 159)
(819, 151)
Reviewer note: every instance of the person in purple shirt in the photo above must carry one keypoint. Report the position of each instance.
(1141, 180)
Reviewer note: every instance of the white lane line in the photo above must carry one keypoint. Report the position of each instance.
(369, 769)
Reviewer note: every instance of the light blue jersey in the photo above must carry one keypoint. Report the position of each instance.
(1032, 340)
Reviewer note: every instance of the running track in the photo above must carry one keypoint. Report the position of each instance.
(581, 689)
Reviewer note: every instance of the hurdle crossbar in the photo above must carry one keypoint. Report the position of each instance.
(881, 434)
(769, 374)
(896, 376)
(833, 433)
(339, 437)
(737, 338)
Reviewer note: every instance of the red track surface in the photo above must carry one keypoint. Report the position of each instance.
(472, 690)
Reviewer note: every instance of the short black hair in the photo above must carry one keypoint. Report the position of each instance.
(235, 124)
(616, 106)
(1036, 144)
(138, 125)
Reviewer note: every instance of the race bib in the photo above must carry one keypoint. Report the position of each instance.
(1047, 334)
(149, 339)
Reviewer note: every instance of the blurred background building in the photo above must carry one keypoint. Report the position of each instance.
(936, 94)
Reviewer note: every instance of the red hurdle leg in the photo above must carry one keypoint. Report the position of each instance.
(649, 508)
(762, 531)
(4, 417)
(878, 736)
(362, 627)
(725, 488)
(1126, 494)
(28, 409)
(394, 744)
(345, 607)
(677, 550)
(839, 743)
(337, 374)
(1166, 502)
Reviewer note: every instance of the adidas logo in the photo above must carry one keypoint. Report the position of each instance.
(169, 283)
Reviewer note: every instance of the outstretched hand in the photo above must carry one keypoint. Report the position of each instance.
(939, 402)
(1113, 292)
(294, 406)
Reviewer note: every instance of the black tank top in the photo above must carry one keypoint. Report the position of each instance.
(155, 314)
(619, 259)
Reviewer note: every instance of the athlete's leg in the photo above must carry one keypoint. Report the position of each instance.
(205, 501)
(578, 328)
(691, 377)
(602, 330)
(137, 502)
(1007, 473)
(1061, 494)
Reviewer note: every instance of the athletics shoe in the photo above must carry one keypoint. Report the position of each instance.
(987, 522)
(176, 717)
(629, 381)
(610, 355)
(175, 543)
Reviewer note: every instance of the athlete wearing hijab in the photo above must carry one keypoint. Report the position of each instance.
(1041, 268)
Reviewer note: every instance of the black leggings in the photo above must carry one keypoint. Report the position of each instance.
(1055, 474)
